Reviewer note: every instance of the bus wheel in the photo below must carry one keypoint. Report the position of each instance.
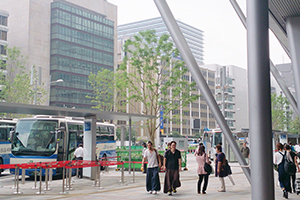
(104, 158)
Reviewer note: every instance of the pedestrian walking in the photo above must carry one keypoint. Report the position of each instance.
(143, 153)
(202, 158)
(172, 166)
(154, 161)
(293, 155)
(79, 156)
(220, 170)
(245, 152)
(283, 177)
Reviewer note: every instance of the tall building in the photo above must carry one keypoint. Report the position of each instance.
(193, 36)
(68, 40)
(194, 117)
(232, 93)
(3, 39)
(3, 33)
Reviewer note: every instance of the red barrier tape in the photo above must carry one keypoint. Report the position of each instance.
(60, 164)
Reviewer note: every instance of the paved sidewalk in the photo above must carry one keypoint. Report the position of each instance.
(114, 190)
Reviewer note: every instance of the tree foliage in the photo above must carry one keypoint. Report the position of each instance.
(108, 90)
(15, 80)
(281, 116)
(294, 126)
(153, 74)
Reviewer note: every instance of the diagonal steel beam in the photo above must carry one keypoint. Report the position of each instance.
(273, 69)
(193, 67)
(293, 32)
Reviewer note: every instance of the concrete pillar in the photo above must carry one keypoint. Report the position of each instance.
(262, 179)
(89, 144)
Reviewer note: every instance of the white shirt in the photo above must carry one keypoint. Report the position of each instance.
(79, 152)
(297, 148)
(278, 157)
(152, 158)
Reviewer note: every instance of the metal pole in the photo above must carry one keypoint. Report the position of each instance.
(260, 100)
(63, 183)
(133, 174)
(129, 148)
(274, 71)
(40, 188)
(293, 32)
(50, 174)
(18, 188)
(193, 67)
(15, 183)
(23, 176)
(34, 188)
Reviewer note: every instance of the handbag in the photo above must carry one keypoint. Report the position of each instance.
(208, 168)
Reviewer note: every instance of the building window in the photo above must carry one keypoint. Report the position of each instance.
(2, 50)
(3, 20)
(3, 35)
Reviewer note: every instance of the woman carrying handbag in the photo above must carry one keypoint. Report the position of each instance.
(202, 158)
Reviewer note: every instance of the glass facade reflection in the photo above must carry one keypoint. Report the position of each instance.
(82, 42)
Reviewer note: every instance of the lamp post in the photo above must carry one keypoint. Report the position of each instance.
(52, 82)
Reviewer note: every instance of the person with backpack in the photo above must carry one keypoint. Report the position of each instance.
(154, 161)
(202, 158)
(293, 155)
(283, 176)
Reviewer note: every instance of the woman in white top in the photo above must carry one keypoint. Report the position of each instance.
(152, 180)
(283, 177)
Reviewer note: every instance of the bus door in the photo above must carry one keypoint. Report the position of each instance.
(61, 142)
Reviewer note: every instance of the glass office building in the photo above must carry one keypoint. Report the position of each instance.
(193, 36)
(82, 42)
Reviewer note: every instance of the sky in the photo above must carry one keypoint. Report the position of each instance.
(225, 38)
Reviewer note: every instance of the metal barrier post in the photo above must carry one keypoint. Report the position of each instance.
(23, 176)
(133, 173)
(99, 177)
(34, 188)
(122, 174)
(69, 187)
(17, 173)
(63, 183)
(15, 184)
(40, 188)
(50, 174)
(46, 180)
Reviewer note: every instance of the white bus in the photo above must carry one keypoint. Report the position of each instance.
(6, 125)
(37, 140)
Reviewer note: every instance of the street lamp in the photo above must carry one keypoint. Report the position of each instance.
(57, 81)
(52, 82)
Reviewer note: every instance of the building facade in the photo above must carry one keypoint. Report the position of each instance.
(193, 36)
(3, 40)
(232, 94)
(68, 40)
(194, 117)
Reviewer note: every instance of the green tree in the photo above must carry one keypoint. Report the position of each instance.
(108, 90)
(15, 80)
(294, 126)
(154, 76)
(281, 117)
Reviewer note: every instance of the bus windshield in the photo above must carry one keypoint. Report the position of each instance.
(34, 137)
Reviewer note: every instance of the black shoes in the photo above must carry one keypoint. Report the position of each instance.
(285, 194)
